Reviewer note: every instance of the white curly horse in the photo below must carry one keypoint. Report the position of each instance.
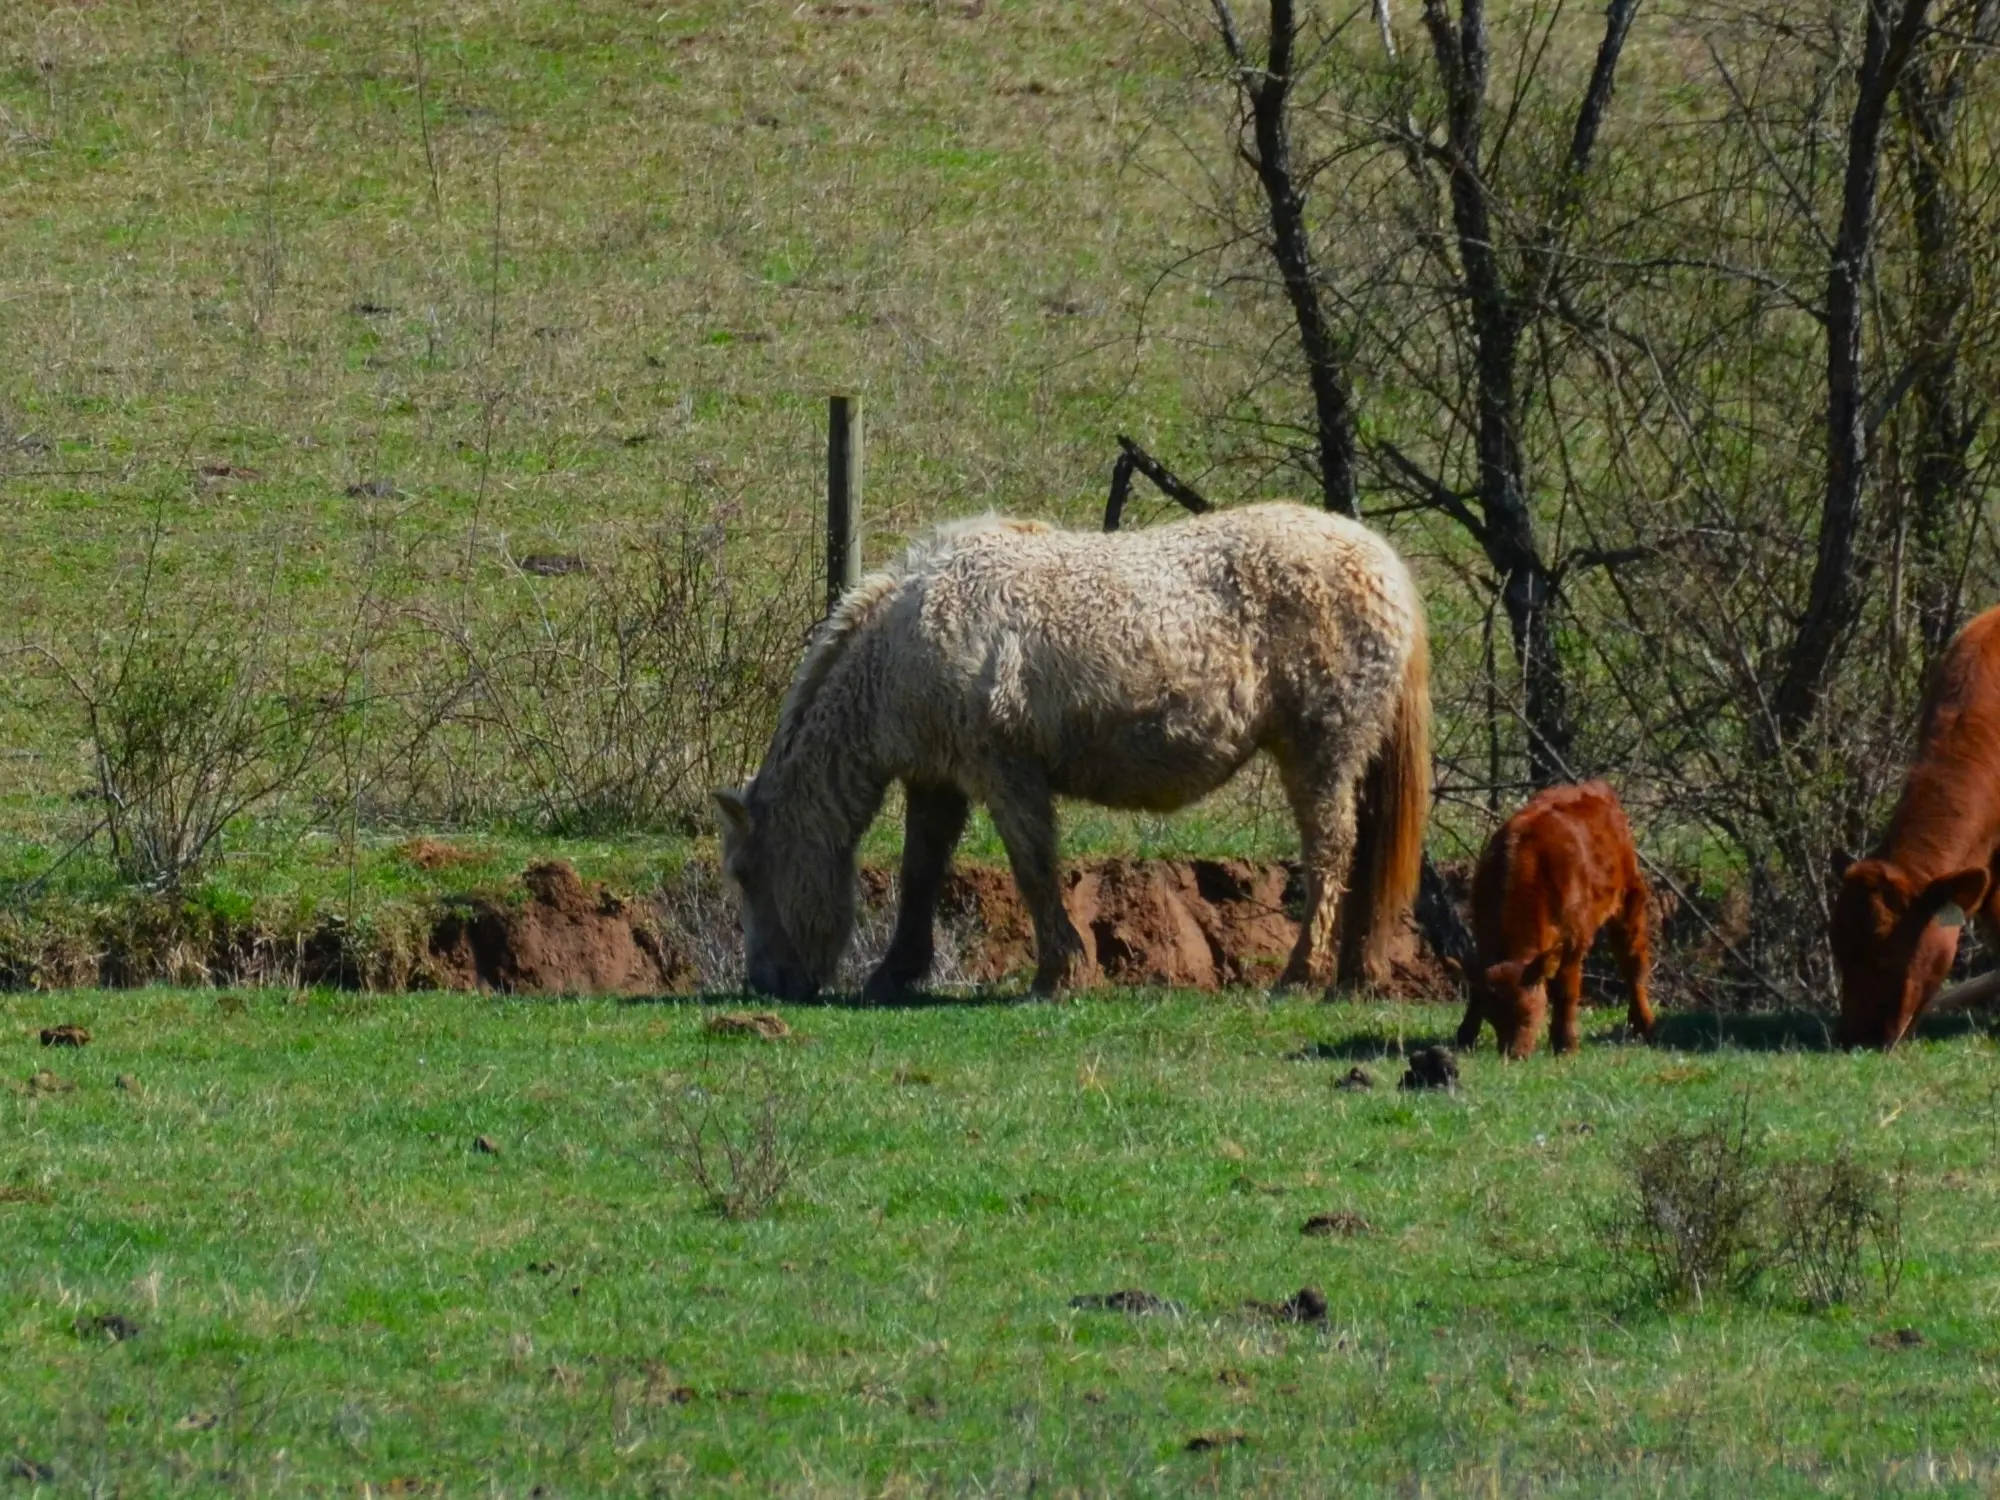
(1011, 663)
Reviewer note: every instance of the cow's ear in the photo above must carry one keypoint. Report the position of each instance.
(1505, 976)
(1840, 862)
(1965, 889)
(1538, 968)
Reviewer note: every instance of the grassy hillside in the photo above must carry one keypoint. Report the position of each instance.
(318, 319)
(334, 1286)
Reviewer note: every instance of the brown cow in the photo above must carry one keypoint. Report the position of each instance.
(1938, 857)
(1550, 877)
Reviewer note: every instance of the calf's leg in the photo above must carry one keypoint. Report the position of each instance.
(1633, 942)
(1567, 988)
(934, 817)
(1475, 1017)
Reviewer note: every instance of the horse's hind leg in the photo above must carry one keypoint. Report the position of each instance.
(934, 817)
(1323, 804)
(1024, 814)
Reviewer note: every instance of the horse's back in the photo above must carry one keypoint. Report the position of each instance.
(1143, 668)
(1179, 603)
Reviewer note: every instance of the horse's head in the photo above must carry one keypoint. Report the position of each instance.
(797, 895)
(1891, 951)
(1517, 996)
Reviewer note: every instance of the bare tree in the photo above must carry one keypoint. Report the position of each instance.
(1931, 94)
(1265, 142)
(1892, 31)
(1503, 302)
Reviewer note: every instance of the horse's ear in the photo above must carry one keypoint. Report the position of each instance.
(735, 811)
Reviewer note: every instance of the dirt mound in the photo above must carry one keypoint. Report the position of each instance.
(435, 854)
(565, 938)
(1204, 924)
(1199, 924)
(763, 1024)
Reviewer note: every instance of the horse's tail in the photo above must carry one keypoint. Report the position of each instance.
(1390, 813)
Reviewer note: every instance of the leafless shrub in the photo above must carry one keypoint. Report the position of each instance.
(741, 1139)
(195, 716)
(701, 914)
(1838, 1221)
(1688, 1226)
(1705, 1215)
(622, 693)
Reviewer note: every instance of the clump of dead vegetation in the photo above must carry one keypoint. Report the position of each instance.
(199, 707)
(741, 1134)
(617, 693)
(1704, 1213)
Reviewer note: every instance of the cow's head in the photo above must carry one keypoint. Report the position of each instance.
(1517, 997)
(1891, 951)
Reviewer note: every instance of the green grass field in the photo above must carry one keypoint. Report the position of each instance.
(335, 1292)
(337, 308)
(332, 314)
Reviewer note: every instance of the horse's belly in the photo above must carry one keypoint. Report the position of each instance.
(1145, 769)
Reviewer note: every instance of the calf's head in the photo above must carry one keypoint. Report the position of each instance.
(1891, 951)
(1516, 999)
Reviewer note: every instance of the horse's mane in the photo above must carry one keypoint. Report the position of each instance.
(829, 643)
(860, 604)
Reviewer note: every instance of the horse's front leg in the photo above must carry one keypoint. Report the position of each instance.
(934, 817)
(1024, 814)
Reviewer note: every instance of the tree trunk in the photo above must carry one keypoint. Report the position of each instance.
(1833, 601)
(1944, 432)
(1510, 543)
(1267, 94)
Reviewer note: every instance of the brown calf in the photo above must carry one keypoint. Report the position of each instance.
(1939, 856)
(1550, 877)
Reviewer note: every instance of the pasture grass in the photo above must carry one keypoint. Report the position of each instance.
(344, 303)
(335, 1291)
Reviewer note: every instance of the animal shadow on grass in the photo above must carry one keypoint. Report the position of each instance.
(846, 999)
(1368, 1046)
(1785, 1031)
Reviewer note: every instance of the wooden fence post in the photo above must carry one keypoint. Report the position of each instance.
(843, 497)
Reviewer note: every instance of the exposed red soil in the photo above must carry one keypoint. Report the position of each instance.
(1200, 924)
(1192, 924)
(567, 938)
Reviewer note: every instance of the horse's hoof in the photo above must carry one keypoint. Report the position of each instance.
(884, 988)
(1073, 971)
